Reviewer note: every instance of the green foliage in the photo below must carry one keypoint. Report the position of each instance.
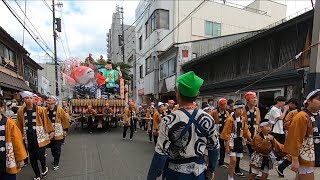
(125, 69)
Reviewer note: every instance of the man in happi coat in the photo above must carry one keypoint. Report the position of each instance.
(183, 137)
(37, 131)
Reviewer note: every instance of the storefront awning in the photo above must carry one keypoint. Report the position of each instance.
(13, 82)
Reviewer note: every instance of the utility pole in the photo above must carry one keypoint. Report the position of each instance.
(313, 78)
(120, 11)
(54, 22)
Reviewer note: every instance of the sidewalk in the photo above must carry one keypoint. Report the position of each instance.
(288, 174)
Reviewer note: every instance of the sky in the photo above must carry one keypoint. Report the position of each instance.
(84, 24)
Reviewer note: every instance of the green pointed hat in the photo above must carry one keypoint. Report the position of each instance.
(189, 84)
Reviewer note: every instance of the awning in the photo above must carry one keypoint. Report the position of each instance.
(13, 82)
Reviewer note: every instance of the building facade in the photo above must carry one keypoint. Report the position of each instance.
(12, 62)
(47, 75)
(269, 62)
(31, 69)
(114, 52)
(160, 24)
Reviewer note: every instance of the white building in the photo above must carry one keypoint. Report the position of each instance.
(164, 23)
(113, 39)
(48, 76)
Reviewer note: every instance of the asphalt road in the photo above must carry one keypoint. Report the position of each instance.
(103, 156)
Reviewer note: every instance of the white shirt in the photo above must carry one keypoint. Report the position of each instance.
(238, 119)
(274, 114)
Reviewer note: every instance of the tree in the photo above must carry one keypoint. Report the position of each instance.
(125, 69)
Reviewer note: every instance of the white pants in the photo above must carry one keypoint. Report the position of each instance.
(306, 170)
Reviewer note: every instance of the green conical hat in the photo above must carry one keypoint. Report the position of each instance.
(189, 84)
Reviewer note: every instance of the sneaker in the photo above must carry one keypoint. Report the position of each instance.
(45, 173)
(55, 168)
(130, 139)
(90, 132)
(280, 173)
(223, 166)
(36, 178)
(240, 174)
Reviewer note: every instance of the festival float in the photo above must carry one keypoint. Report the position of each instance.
(94, 85)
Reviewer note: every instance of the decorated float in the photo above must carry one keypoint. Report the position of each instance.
(95, 85)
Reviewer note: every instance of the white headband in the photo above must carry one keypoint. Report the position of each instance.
(312, 93)
(264, 124)
(238, 106)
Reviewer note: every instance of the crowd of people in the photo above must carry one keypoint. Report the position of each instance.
(189, 142)
(27, 131)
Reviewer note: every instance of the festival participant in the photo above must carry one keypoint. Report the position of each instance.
(177, 155)
(158, 115)
(303, 140)
(91, 113)
(12, 151)
(130, 114)
(220, 115)
(37, 131)
(253, 118)
(170, 106)
(108, 115)
(112, 77)
(65, 107)
(234, 132)
(211, 104)
(276, 116)
(150, 113)
(89, 59)
(252, 115)
(67, 110)
(263, 145)
(60, 121)
(142, 115)
(288, 120)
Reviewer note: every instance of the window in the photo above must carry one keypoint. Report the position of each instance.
(194, 55)
(149, 67)
(141, 71)
(212, 29)
(159, 19)
(6, 53)
(168, 68)
(140, 42)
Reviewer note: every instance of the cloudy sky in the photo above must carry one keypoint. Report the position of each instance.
(84, 26)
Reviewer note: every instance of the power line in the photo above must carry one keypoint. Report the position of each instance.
(25, 15)
(63, 48)
(277, 69)
(47, 5)
(24, 20)
(138, 17)
(178, 25)
(65, 34)
(10, 9)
